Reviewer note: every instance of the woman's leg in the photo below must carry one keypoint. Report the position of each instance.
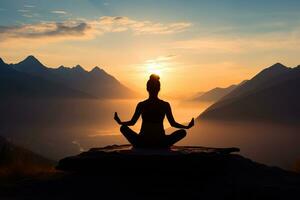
(130, 135)
(175, 137)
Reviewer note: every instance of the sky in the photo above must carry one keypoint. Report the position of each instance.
(194, 45)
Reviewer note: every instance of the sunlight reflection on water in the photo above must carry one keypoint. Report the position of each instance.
(59, 128)
(182, 111)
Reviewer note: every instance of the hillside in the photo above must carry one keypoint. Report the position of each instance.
(270, 95)
(18, 84)
(213, 95)
(96, 82)
(16, 161)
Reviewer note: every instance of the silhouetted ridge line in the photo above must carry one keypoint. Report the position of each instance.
(79, 68)
(96, 82)
(270, 95)
(1, 62)
(96, 70)
(214, 95)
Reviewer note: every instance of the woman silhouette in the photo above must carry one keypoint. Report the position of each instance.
(153, 111)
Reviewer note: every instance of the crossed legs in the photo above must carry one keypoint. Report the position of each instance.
(175, 137)
(130, 135)
(139, 142)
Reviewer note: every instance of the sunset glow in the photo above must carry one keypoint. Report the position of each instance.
(149, 99)
(154, 68)
(182, 42)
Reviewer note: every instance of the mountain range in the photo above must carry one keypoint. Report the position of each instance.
(18, 84)
(213, 95)
(273, 94)
(31, 78)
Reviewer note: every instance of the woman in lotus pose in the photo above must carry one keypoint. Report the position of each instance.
(153, 111)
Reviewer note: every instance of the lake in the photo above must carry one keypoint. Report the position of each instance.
(58, 128)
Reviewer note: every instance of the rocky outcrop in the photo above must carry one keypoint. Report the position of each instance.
(119, 172)
(181, 172)
(123, 158)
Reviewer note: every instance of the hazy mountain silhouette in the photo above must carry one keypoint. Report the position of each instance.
(17, 84)
(30, 65)
(95, 82)
(213, 95)
(271, 95)
(18, 161)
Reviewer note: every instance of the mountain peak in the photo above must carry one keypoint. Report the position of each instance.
(62, 68)
(78, 68)
(32, 62)
(1, 61)
(31, 59)
(96, 70)
(278, 66)
(272, 71)
(30, 65)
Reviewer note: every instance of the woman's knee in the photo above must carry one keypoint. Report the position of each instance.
(124, 128)
(182, 132)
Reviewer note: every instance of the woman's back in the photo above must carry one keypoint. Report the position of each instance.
(153, 112)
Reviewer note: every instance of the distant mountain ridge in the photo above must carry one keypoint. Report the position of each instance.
(17, 84)
(94, 83)
(273, 94)
(30, 65)
(213, 95)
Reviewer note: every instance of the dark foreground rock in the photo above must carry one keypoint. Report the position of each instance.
(124, 158)
(117, 172)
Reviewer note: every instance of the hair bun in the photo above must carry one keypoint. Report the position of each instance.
(154, 77)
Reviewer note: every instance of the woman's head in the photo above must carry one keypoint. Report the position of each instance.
(153, 84)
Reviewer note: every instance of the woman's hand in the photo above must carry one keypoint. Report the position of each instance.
(191, 124)
(116, 118)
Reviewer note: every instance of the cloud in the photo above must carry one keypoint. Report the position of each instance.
(261, 42)
(161, 59)
(62, 12)
(29, 6)
(41, 30)
(23, 10)
(87, 29)
(26, 15)
(119, 24)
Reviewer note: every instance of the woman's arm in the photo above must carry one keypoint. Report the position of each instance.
(172, 121)
(134, 118)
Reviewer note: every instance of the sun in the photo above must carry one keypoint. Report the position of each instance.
(154, 68)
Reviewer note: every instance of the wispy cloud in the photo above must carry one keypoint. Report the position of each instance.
(62, 12)
(86, 29)
(41, 30)
(119, 24)
(23, 10)
(161, 59)
(29, 6)
(227, 44)
(25, 15)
